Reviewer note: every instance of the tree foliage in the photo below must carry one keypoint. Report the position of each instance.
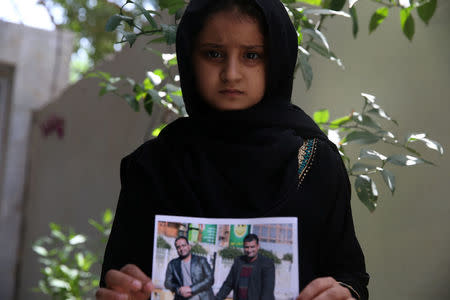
(67, 262)
(87, 19)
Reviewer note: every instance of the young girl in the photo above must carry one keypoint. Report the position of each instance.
(244, 151)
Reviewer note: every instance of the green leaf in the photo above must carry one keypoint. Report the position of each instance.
(59, 235)
(161, 39)
(40, 250)
(365, 120)
(130, 81)
(154, 95)
(407, 22)
(113, 22)
(157, 130)
(139, 92)
(351, 3)
(362, 167)
(147, 15)
(79, 257)
(337, 4)
(148, 85)
(71, 273)
(361, 137)
(54, 226)
(156, 77)
(78, 239)
(405, 160)
(148, 104)
(178, 100)
(131, 100)
(431, 144)
(367, 191)
(321, 12)
(107, 76)
(413, 151)
(377, 18)
(325, 53)
(305, 67)
(173, 89)
(179, 13)
(172, 5)
(160, 73)
(130, 37)
(310, 2)
(371, 154)
(355, 26)
(321, 116)
(389, 179)
(58, 283)
(97, 225)
(316, 34)
(381, 113)
(426, 10)
(170, 33)
(107, 216)
(339, 122)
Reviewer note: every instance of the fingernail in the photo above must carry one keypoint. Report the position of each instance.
(136, 284)
(148, 286)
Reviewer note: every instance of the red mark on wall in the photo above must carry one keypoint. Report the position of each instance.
(51, 125)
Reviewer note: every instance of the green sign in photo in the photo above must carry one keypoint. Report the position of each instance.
(193, 231)
(209, 234)
(237, 235)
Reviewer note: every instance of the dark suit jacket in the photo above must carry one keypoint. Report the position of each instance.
(262, 279)
(201, 276)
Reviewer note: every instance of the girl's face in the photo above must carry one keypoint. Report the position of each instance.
(229, 61)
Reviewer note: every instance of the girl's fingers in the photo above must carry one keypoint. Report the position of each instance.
(316, 287)
(121, 282)
(336, 292)
(135, 272)
(106, 294)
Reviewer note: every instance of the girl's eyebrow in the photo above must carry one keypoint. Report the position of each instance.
(219, 46)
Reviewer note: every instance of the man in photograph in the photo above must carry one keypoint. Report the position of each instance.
(252, 275)
(189, 275)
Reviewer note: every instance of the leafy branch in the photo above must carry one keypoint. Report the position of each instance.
(365, 128)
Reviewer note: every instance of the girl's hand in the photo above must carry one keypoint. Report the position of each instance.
(130, 283)
(325, 288)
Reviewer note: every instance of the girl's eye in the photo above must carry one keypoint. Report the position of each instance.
(213, 54)
(252, 55)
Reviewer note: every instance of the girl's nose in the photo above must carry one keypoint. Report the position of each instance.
(231, 71)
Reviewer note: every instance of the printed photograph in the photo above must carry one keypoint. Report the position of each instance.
(206, 259)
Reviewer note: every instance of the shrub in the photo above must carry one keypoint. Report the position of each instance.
(162, 243)
(230, 253)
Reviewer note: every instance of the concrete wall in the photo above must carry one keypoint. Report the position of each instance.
(76, 177)
(39, 61)
(406, 241)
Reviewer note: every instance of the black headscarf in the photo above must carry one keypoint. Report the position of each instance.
(246, 157)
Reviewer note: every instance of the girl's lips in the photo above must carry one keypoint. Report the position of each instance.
(231, 92)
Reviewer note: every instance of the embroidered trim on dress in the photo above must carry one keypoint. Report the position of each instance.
(305, 158)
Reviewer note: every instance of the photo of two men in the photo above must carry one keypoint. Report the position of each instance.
(223, 261)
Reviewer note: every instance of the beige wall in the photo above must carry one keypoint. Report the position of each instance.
(76, 178)
(406, 241)
(39, 63)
